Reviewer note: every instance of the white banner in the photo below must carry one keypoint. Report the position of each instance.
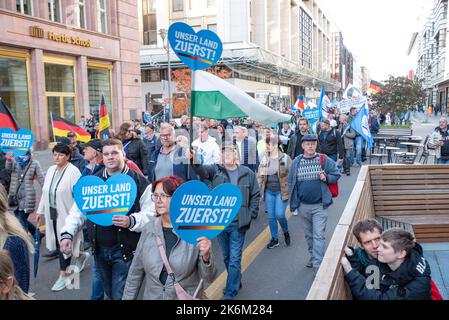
(346, 105)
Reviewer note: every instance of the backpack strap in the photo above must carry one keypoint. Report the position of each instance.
(322, 160)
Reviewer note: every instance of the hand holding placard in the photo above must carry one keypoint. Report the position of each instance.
(197, 212)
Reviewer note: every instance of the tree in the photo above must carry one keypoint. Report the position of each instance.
(399, 94)
(183, 79)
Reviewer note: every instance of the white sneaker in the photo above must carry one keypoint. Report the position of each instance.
(81, 260)
(60, 284)
(295, 213)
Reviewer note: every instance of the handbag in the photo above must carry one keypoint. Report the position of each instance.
(13, 200)
(333, 187)
(180, 292)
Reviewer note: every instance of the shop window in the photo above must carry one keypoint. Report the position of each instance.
(59, 78)
(99, 82)
(14, 89)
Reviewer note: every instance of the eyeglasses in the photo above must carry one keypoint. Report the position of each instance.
(165, 136)
(161, 197)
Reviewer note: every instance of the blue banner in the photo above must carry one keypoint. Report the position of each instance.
(16, 142)
(361, 126)
(195, 211)
(99, 201)
(196, 50)
(311, 114)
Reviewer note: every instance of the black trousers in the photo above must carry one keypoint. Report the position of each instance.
(63, 263)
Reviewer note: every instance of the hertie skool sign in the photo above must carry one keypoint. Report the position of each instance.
(38, 32)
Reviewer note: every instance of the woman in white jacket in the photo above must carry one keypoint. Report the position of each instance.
(55, 205)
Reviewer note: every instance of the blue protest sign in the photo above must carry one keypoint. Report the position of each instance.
(196, 50)
(16, 142)
(196, 211)
(311, 113)
(99, 201)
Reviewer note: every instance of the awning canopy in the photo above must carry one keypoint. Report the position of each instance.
(250, 60)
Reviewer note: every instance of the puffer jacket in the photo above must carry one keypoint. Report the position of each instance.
(284, 164)
(185, 260)
(411, 281)
(26, 193)
(247, 183)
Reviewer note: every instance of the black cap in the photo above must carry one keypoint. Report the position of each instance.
(95, 144)
(64, 140)
(309, 137)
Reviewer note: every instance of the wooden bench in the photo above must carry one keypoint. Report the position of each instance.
(389, 224)
(415, 195)
(415, 198)
(398, 132)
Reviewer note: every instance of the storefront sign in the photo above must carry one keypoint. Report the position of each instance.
(196, 50)
(16, 142)
(99, 201)
(38, 32)
(195, 211)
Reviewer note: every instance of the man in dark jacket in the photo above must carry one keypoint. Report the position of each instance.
(330, 142)
(404, 272)
(246, 148)
(76, 158)
(295, 144)
(232, 238)
(113, 246)
(5, 175)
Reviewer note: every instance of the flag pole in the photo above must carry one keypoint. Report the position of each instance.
(52, 128)
(192, 107)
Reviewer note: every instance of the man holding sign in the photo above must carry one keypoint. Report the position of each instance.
(232, 238)
(114, 245)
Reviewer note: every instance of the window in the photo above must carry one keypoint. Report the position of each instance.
(178, 5)
(153, 75)
(80, 14)
(149, 22)
(24, 6)
(99, 82)
(195, 4)
(197, 27)
(212, 27)
(14, 88)
(305, 39)
(211, 3)
(101, 16)
(54, 10)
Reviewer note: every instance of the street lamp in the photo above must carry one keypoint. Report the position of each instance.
(163, 34)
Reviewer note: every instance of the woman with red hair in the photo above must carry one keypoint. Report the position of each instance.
(190, 263)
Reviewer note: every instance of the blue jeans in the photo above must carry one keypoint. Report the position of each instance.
(276, 212)
(113, 270)
(97, 286)
(358, 149)
(231, 242)
(442, 161)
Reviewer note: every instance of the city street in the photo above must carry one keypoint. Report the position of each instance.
(279, 273)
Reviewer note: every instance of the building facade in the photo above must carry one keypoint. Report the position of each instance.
(273, 50)
(61, 56)
(432, 64)
(342, 61)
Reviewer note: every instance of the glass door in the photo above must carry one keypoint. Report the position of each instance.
(60, 90)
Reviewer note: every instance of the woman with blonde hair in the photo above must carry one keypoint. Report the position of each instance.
(15, 240)
(9, 289)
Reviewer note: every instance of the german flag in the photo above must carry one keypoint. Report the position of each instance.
(62, 126)
(6, 118)
(103, 130)
(375, 87)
